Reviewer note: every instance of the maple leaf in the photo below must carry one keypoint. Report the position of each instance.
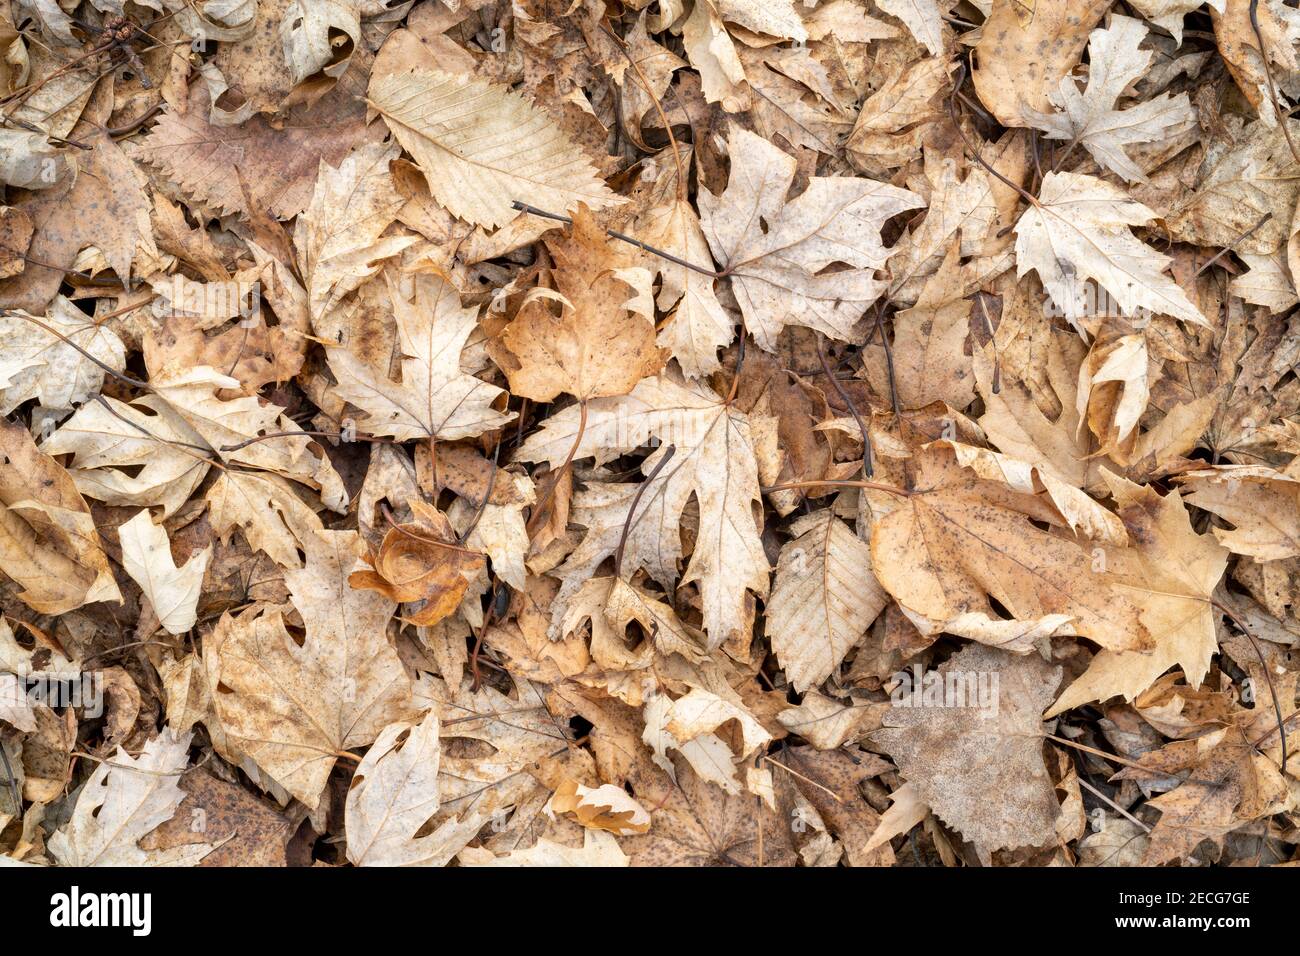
(779, 271)
(143, 454)
(338, 234)
(1078, 229)
(602, 342)
(1174, 571)
(48, 542)
(1090, 118)
(271, 516)
(713, 461)
(966, 535)
(123, 801)
(923, 19)
(393, 794)
(61, 365)
(480, 146)
(699, 326)
(1024, 51)
(1245, 179)
(1226, 780)
(293, 708)
(1259, 501)
(697, 824)
(503, 737)
(435, 398)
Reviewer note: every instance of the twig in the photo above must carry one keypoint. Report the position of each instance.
(1115, 806)
(1231, 247)
(838, 483)
(1268, 72)
(868, 470)
(120, 376)
(669, 451)
(952, 112)
(1268, 677)
(712, 273)
(663, 117)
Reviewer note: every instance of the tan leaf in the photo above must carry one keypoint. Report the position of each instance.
(123, 801)
(1173, 572)
(294, 707)
(435, 398)
(1091, 117)
(1080, 229)
(421, 561)
(394, 792)
(713, 460)
(48, 541)
(824, 598)
(173, 592)
(1262, 504)
(602, 342)
(54, 368)
(964, 537)
(776, 272)
(482, 147)
(1025, 50)
(942, 749)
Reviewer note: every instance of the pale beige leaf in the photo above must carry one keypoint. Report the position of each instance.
(1080, 230)
(482, 147)
(776, 267)
(173, 592)
(54, 368)
(394, 792)
(824, 599)
(1261, 503)
(435, 398)
(123, 801)
(1092, 117)
(713, 461)
(293, 708)
(943, 751)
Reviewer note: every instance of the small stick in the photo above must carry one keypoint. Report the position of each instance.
(952, 112)
(636, 500)
(1115, 806)
(867, 470)
(1268, 72)
(534, 211)
(308, 434)
(1231, 247)
(838, 483)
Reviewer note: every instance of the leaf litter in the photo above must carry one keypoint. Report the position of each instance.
(716, 432)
